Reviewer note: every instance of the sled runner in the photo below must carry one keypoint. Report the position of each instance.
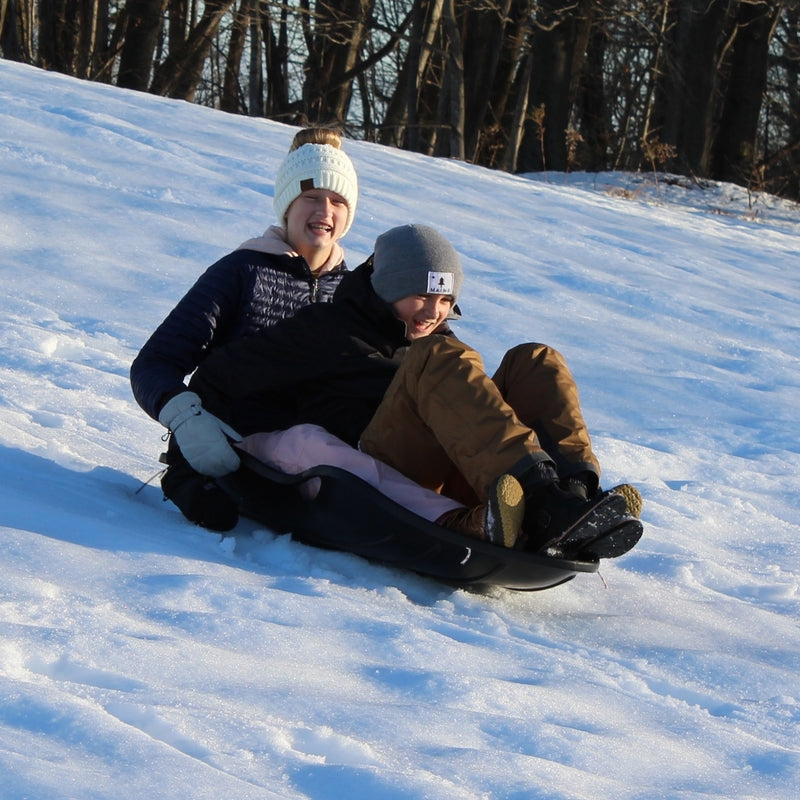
(348, 514)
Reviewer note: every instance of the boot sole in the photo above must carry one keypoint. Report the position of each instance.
(633, 498)
(606, 515)
(613, 543)
(506, 510)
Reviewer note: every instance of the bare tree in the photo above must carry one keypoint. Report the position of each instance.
(450, 109)
(335, 34)
(781, 115)
(686, 94)
(484, 33)
(401, 124)
(56, 36)
(11, 39)
(736, 157)
(504, 122)
(513, 84)
(232, 98)
(591, 110)
(179, 74)
(274, 100)
(141, 22)
(560, 28)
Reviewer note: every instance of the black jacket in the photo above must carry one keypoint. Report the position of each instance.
(330, 364)
(241, 294)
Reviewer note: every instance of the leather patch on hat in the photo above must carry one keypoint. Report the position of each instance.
(306, 184)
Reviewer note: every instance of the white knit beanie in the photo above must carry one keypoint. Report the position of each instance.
(316, 166)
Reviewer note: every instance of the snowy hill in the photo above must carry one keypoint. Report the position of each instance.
(143, 657)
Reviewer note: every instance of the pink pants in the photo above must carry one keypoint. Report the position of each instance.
(304, 446)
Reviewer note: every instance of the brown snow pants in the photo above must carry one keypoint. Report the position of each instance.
(536, 382)
(446, 425)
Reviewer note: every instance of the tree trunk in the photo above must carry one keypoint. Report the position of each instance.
(786, 173)
(555, 61)
(591, 102)
(685, 102)
(102, 53)
(277, 81)
(502, 132)
(340, 27)
(255, 69)
(231, 99)
(56, 35)
(516, 133)
(484, 37)
(735, 152)
(10, 39)
(450, 116)
(179, 74)
(178, 25)
(144, 21)
(401, 126)
(86, 45)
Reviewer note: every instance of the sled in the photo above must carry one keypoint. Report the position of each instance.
(350, 515)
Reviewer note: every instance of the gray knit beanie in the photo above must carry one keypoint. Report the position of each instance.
(316, 166)
(415, 259)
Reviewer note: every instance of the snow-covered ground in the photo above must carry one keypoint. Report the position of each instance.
(143, 657)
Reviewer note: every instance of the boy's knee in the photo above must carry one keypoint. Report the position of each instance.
(533, 352)
(437, 350)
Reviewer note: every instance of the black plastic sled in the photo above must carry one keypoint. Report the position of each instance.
(348, 514)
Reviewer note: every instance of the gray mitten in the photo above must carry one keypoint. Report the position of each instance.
(201, 437)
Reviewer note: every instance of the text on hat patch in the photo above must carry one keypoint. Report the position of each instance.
(440, 283)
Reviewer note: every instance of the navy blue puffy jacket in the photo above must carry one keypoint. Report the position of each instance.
(241, 294)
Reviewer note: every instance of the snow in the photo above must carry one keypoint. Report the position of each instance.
(141, 656)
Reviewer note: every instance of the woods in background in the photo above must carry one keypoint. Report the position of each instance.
(702, 88)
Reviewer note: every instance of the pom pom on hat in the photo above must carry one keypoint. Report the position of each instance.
(415, 259)
(316, 166)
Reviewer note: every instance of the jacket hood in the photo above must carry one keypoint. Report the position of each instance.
(273, 242)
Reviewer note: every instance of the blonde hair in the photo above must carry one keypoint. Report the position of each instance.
(329, 136)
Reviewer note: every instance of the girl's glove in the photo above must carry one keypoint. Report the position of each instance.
(201, 437)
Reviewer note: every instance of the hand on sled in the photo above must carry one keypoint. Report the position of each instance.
(203, 439)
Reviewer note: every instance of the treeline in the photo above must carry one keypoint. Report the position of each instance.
(702, 88)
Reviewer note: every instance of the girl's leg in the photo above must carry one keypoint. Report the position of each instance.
(304, 446)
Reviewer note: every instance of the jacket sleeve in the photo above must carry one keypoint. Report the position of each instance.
(183, 339)
(278, 359)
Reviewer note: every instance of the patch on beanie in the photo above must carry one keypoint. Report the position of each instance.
(440, 283)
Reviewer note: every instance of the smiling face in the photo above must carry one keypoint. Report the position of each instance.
(315, 220)
(422, 313)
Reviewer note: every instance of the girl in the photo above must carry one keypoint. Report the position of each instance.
(295, 263)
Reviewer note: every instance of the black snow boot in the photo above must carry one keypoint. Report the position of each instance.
(199, 498)
(566, 524)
